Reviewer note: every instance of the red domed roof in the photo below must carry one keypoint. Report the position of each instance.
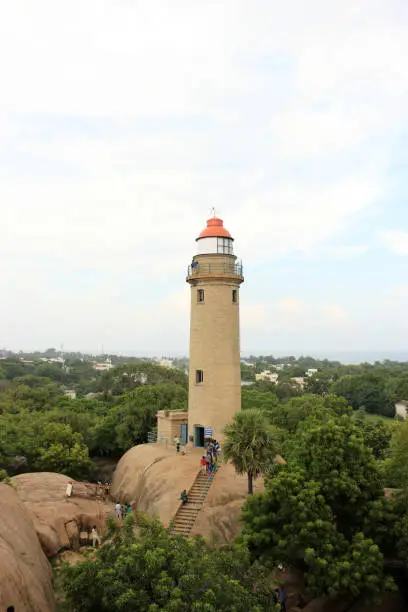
(215, 228)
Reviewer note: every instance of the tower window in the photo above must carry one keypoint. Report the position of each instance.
(234, 296)
(200, 295)
(199, 376)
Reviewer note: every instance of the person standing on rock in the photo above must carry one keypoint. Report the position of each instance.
(118, 510)
(95, 537)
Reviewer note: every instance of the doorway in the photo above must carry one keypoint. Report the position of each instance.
(184, 433)
(198, 436)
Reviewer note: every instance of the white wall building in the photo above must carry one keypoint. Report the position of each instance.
(401, 409)
(166, 363)
(268, 376)
(104, 366)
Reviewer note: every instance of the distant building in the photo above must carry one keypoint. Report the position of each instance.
(104, 366)
(58, 360)
(311, 371)
(401, 409)
(70, 393)
(268, 376)
(166, 363)
(299, 380)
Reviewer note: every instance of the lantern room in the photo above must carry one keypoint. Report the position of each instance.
(215, 239)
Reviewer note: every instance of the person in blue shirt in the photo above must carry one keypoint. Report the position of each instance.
(281, 598)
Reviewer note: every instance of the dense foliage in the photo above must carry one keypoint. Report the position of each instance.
(325, 512)
(153, 571)
(44, 430)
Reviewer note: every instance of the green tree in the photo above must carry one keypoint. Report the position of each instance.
(334, 453)
(366, 390)
(286, 390)
(252, 398)
(325, 512)
(136, 411)
(319, 383)
(377, 434)
(251, 443)
(292, 523)
(61, 450)
(4, 477)
(152, 571)
(291, 413)
(397, 465)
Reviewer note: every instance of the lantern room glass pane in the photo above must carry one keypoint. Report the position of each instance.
(224, 245)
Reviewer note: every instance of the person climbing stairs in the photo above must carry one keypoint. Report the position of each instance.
(187, 513)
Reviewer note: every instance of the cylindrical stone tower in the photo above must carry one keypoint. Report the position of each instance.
(215, 373)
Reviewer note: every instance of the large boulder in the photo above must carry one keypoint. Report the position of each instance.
(57, 519)
(25, 573)
(151, 478)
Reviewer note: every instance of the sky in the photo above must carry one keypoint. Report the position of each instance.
(122, 122)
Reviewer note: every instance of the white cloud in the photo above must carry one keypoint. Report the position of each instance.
(397, 241)
(335, 314)
(290, 306)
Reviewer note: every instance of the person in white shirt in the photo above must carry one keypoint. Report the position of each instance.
(95, 537)
(118, 510)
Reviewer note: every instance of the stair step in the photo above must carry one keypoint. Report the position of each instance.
(190, 515)
(187, 514)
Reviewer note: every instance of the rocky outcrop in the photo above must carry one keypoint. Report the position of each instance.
(219, 518)
(151, 478)
(25, 574)
(57, 518)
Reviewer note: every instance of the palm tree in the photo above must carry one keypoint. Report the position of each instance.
(250, 443)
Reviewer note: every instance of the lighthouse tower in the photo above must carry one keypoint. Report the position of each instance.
(215, 376)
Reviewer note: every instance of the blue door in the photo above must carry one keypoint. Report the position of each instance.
(184, 433)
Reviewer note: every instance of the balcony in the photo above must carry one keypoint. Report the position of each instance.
(216, 269)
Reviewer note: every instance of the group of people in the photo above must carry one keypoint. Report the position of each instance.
(210, 460)
(121, 510)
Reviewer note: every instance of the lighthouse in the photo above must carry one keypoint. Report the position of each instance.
(215, 276)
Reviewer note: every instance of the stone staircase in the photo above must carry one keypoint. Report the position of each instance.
(186, 515)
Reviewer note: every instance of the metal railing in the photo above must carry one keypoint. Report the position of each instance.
(217, 268)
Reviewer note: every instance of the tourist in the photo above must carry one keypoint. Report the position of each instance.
(118, 510)
(209, 470)
(128, 509)
(281, 598)
(184, 496)
(203, 464)
(95, 537)
(123, 511)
